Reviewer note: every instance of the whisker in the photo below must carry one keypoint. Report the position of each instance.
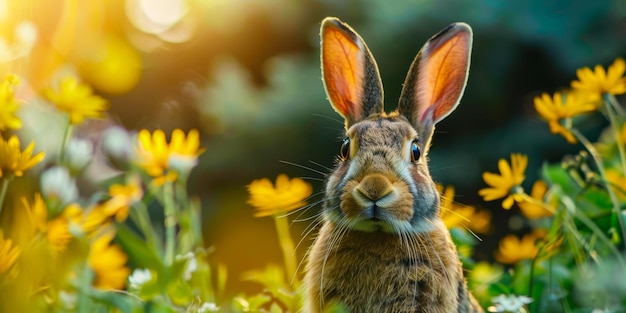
(446, 274)
(442, 168)
(329, 118)
(306, 208)
(303, 167)
(303, 209)
(473, 234)
(312, 178)
(320, 165)
(306, 219)
(457, 214)
(305, 235)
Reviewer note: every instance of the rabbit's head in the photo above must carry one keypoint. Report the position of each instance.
(382, 182)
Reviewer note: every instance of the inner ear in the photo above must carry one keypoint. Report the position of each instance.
(437, 77)
(349, 72)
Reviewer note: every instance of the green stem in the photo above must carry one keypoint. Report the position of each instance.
(139, 215)
(66, 138)
(85, 281)
(286, 245)
(596, 230)
(170, 223)
(531, 275)
(614, 104)
(3, 191)
(612, 108)
(598, 160)
(569, 204)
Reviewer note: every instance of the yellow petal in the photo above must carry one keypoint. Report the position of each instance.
(505, 169)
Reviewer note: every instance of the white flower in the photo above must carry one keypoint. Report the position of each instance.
(139, 277)
(208, 307)
(183, 164)
(117, 146)
(58, 187)
(509, 303)
(191, 266)
(78, 154)
(68, 300)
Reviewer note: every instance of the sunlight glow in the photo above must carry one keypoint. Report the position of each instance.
(158, 17)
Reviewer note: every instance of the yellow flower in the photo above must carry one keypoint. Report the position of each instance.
(512, 250)
(554, 109)
(598, 82)
(8, 104)
(455, 215)
(14, 161)
(108, 262)
(9, 253)
(56, 230)
(617, 182)
(502, 185)
(88, 220)
(286, 196)
(37, 213)
(534, 211)
(77, 100)
(58, 233)
(122, 197)
(165, 161)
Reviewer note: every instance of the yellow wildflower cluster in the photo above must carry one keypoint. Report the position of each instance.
(512, 249)
(535, 208)
(8, 104)
(504, 185)
(594, 84)
(560, 107)
(76, 99)
(585, 97)
(286, 196)
(9, 253)
(166, 161)
(13, 160)
(457, 215)
(108, 261)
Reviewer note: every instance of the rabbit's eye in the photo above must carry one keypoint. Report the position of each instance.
(415, 151)
(344, 153)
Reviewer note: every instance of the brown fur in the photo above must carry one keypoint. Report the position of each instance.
(382, 246)
(381, 272)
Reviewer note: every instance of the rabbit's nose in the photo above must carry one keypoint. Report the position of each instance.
(375, 187)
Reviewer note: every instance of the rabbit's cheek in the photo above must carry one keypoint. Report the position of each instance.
(402, 209)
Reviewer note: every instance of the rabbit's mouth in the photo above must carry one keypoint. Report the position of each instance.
(377, 203)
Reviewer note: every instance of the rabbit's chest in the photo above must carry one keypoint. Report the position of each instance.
(371, 272)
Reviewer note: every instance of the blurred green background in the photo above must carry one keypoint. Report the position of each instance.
(246, 74)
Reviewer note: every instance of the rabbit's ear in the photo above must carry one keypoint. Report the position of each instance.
(437, 78)
(349, 72)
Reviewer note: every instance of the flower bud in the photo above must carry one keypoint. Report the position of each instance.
(78, 154)
(117, 147)
(58, 188)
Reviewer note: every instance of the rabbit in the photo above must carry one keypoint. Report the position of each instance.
(382, 246)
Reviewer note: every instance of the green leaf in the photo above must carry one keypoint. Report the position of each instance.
(616, 229)
(555, 174)
(180, 292)
(275, 308)
(142, 255)
(123, 302)
(461, 236)
(251, 304)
